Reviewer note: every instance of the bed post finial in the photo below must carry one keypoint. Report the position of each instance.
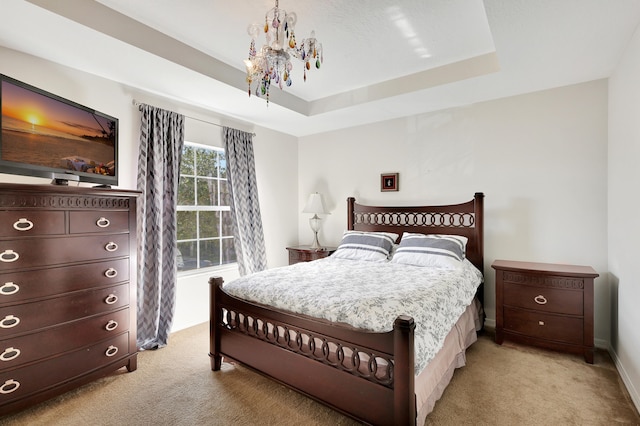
(351, 220)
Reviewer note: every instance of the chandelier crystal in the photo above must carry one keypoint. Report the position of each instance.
(272, 64)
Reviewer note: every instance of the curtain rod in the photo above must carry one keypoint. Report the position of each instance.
(136, 103)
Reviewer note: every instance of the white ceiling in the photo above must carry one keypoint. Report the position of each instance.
(382, 59)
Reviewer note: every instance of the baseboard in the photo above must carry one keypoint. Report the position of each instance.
(602, 344)
(490, 323)
(633, 392)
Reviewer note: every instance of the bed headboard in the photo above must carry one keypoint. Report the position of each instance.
(459, 219)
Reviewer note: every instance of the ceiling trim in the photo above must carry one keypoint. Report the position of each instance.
(450, 73)
(107, 21)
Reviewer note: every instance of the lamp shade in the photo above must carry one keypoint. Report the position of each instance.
(315, 204)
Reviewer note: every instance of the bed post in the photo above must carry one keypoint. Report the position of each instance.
(351, 220)
(215, 318)
(404, 395)
(478, 209)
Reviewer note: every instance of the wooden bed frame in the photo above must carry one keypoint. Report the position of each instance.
(337, 365)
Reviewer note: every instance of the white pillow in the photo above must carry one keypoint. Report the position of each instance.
(359, 245)
(441, 251)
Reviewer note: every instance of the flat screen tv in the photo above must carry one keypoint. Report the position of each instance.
(45, 135)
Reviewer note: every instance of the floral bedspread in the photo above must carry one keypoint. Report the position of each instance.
(368, 295)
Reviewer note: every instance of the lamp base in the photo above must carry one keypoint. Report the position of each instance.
(316, 244)
(314, 222)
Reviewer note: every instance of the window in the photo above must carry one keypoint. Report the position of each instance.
(205, 230)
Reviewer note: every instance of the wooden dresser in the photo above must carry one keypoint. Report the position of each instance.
(67, 289)
(307, 254)
(546, 305)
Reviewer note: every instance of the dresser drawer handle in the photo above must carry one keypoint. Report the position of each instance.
(540, 322)
(8, 256)
(111, 325)
(111, 246)
(9, 386)
(103, 222)
(9, 288)
(110, 273)
(9, 354)
(540, 299)
(111, 299)
(22, 224)
(111, 351)
(9, 321)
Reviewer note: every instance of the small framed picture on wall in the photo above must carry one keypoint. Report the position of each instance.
(389, 182)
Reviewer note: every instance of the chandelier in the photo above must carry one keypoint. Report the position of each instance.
(272, 64)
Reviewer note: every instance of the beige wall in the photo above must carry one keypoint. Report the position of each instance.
(624, 227)
(540, 159)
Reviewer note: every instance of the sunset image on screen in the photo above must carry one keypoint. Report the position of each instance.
(46, 131)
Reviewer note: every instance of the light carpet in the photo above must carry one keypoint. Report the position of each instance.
(501, 385)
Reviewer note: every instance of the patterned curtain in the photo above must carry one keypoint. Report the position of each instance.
(245, 209)
(161, 140)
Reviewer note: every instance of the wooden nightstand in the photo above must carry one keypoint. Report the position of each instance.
(307, 254)
(546, 305)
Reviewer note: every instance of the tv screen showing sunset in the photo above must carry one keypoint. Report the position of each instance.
(46, 131)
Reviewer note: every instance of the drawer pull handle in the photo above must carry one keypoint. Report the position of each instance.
(111, 246)
(111, 325)
(103, 222)
(9, 321)
(111, 299)
(9, 386)
(110, 273)
(111, 351)
(540, 322)
(8, 256)
(22, 224)
(9, 354)
(9, 288)
(540, 299)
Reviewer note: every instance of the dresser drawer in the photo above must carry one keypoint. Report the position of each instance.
(26, 317)
(19, 286)
(544, 326)
(98, 221)
(24, 223)
(543, 299)
(22, 382)
(64, 338)
(30, 252)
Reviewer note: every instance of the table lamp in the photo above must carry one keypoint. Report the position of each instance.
(315, 205)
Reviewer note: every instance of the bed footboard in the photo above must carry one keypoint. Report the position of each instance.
(367, 376)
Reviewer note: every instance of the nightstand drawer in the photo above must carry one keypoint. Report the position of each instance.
(302, 256)
(543, 299)
(307, 254)
(544, 326)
